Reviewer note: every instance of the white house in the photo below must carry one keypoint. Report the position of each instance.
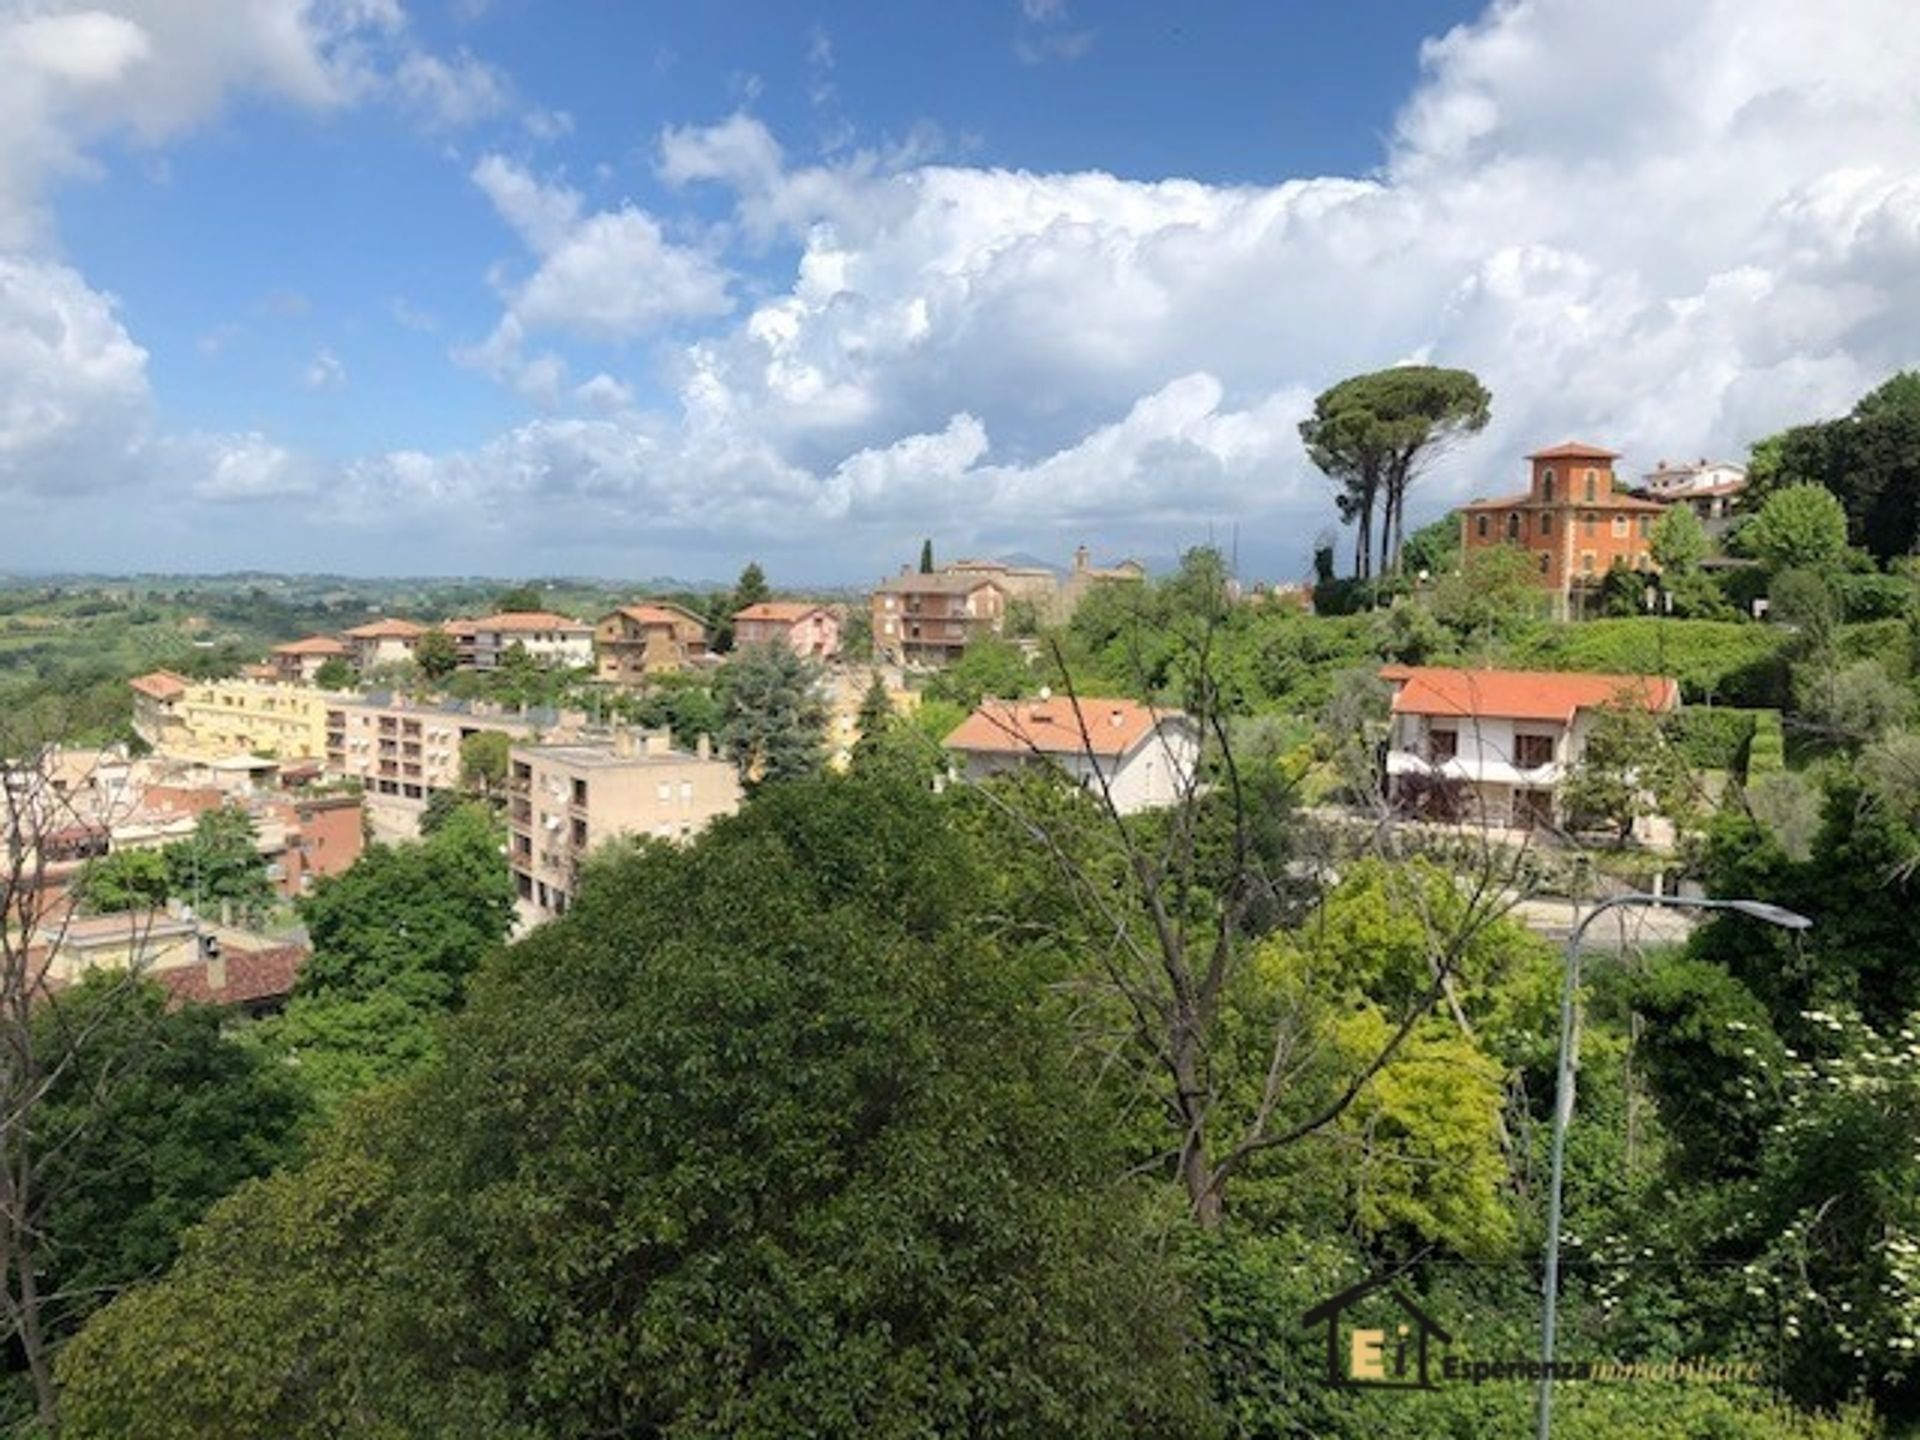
(551, 641)
(1493, 746)
(1146, 756)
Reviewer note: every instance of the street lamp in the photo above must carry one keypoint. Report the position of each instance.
(1563, 1090)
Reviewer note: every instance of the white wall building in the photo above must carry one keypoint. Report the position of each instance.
(1147, 757)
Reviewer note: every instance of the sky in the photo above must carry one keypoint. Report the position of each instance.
(625, 290)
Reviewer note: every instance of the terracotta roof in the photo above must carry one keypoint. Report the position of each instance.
(1603, 500)
(259, 672)
(1053, 727)
(164, 802)
(658, 612)
(387, 629)
(514, 620)
(1521, 694)
(937, 584)
(251, 976)
(1574, 450)
(312, 645)
(160, 684)
(787, 611)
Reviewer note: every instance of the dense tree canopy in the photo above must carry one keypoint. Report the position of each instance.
(775, 726)
(1869, 459)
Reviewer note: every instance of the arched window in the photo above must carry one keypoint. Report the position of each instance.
(1513, 525)
(1546, 485)
(1593, 482)
(1480, 525)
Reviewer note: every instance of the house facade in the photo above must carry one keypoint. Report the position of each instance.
(383, 642)
(655, 637)
(931, 619)
(299, 661)
(565, 799)
(1712, 489)
(1145, 757)
(1573, 520)
(553, 642)
(812, 631)
(1493, 747)
(209, 719)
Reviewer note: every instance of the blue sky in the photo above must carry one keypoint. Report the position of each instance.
(625, 289)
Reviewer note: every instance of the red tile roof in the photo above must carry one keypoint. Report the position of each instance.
(521, 620)
(1574, 450)
(312, 645)
(1053, 727)
(1521, 694)
(160, 684)
(387, 629)
(251, 977)
(659, 612)
(787, 612)
(1602, 500)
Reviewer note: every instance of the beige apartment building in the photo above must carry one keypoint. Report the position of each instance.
(930, 619)
(565, 799)
(203, 719)
(652, 638)
(298, 662)
(551, 641)
(383, 642)
(401, 750)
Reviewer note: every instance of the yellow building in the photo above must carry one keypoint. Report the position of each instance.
(209, 718)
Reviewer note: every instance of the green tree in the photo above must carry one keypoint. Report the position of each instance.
(1495, 593)
(875, 717)
(436, 655)
(520, 600)
(988, 666)
(152, 1114)
(751, 587)
(1869, 459)
(775, 727)
(1371, 434)
(124, 880)
(1628, 769)
(1798, 527)
(483, 762)
(219, 866)
(926, 557)
(440, 807)
(334, 674)
(1434, 547)
(1678, 543)
(743, 1145)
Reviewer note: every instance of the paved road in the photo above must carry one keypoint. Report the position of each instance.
(1633, 929)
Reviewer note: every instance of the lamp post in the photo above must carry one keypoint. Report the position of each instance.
(1563, 1089)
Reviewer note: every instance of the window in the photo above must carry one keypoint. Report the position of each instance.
(1546, 522)
(1619, 527)
(1546, 485)
(1593, 485)
(1513, 525)
(1480, 526)
(1591, 522)
(1530, 752)
(1546, 560)
(1646, 526)
(665, 792)
(580, 792)
(1586, 562)
(1442, 745)
(686, 792)
(580, 834)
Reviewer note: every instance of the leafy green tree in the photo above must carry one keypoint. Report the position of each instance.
(1869, 459)
(1433, 548)
(751, 587)
(1371, 433)
(1494, 595)
(856, 635)
(334, 674)
(775, 726)
(440, 807)
(124, 880)
(875, 716)
(926, 557)
(152, 1114)
(520, 600)
(1629, 769)
(988, 666)
(219, 865)
(744, 1145)
(483, 761)
(436, 655)
(1849, 704)
(1798, 527)
(1678, 542)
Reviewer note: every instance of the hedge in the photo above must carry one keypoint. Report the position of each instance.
(1714, 737)
(1767, 753)
(1729, 662)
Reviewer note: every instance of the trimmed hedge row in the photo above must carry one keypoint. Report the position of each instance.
(1767, 752)
(1725, 661)
(1714, 738)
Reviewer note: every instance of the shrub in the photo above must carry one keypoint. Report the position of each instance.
(1767, 751)
(1725, 661)
(1712, 738)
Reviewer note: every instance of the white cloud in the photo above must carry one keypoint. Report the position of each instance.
(324, 371)
(451, 94)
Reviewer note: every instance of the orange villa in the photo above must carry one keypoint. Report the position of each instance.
(1573, 518)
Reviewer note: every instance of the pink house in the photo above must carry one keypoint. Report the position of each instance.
(811, 630)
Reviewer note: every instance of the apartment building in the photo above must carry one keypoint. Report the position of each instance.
(930, 619)
(402, 750)
(207, 719)
(1573, 519)
(383, 642)
(812, 631)
(1492, 747)
(1144, 758)
(654, 637)
(554, 642)
(565, 799)
(299, 661)
(1712, 488)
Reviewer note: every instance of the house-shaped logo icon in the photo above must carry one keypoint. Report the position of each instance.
(1378, 1358)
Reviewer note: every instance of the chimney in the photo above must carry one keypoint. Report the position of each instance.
(1116, 719)
(703, 747)
(1081, 558)
(216, 963)
(623, 742)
